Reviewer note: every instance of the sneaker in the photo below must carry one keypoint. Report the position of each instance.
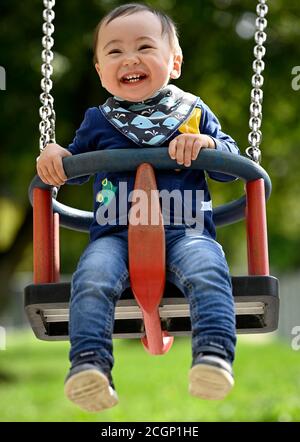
(210, 377)
(90, 388)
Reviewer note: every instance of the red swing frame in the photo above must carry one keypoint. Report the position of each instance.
(146, 247)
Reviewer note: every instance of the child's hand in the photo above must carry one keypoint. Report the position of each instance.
(49, 165)
(186, 147)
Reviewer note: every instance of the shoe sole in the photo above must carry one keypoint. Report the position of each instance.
(209, 382)
(91, 391)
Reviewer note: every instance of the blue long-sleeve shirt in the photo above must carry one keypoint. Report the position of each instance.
(97, 133)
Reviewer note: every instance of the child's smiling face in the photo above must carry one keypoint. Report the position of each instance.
(134, 58)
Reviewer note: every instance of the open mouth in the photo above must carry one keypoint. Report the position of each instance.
(133, 78)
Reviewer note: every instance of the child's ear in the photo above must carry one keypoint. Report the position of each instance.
(97, 67)
(176, 71)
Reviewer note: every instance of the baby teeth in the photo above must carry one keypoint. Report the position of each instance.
(133, 78)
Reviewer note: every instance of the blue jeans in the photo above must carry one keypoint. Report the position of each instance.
(196, 264)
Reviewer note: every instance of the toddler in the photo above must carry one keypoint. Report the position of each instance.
(136, 54)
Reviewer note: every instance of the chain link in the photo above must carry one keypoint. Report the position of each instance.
(260, 37)
(47, 114)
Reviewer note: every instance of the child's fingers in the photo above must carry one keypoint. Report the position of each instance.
(185, 149)
(188, 151)
(59, 170)
(40, 171)
(172, 149)
(53, 176)
(196, 149)
(48, 176)
(42, 175)
(180, 150)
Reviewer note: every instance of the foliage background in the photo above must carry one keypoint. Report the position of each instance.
(217, 66)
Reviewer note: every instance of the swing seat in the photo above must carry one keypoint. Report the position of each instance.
(155, 319)
(256, 307)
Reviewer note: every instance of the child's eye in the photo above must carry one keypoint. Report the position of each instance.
(114, 51)
(145, 47)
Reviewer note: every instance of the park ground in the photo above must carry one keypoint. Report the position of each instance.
(150, 388)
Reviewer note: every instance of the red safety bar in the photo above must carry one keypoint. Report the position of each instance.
(45, 238)
(256, 224)
(147, 255)
(56, 249)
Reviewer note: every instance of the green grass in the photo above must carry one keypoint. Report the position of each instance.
(150, 388)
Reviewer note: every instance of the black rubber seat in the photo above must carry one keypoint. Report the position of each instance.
(256, 302)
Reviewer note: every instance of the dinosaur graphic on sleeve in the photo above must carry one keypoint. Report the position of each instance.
(107, 193)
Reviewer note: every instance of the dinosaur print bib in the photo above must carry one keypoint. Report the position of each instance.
(153, 121)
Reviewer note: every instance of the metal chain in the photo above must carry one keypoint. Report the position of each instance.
(47, 114)
(255, 135)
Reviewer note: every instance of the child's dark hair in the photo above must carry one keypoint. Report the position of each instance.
(167, 24)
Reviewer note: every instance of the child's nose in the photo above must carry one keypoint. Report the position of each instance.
(131, 59)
